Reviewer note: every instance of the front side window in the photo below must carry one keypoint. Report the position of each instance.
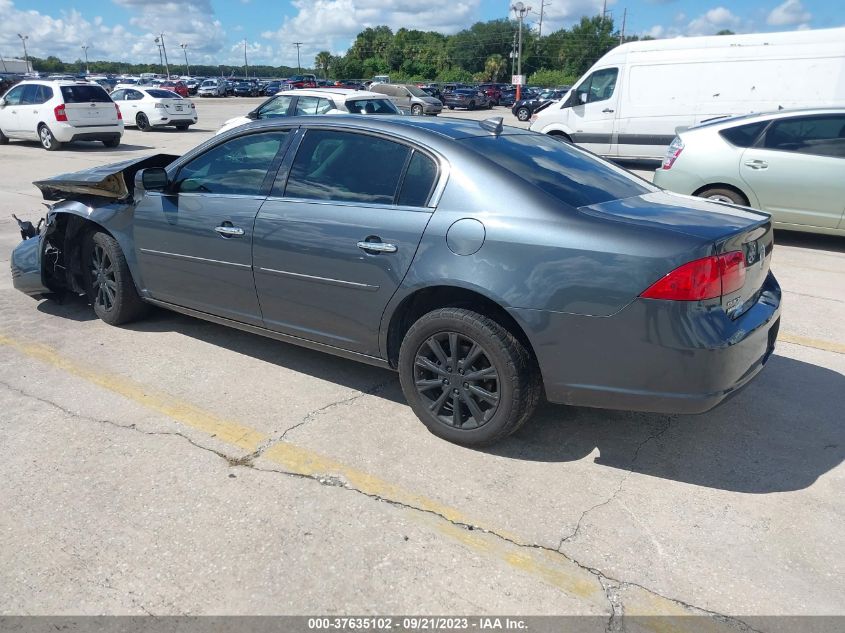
(33, 95)
(599, 86)
(13, 97)
(312, 105)
(821, 135)
(236, 167)
(347, 167)
(276, 107)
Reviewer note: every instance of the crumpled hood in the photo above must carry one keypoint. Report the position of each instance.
(108, 181)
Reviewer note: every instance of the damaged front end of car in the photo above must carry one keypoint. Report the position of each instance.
(48, 261)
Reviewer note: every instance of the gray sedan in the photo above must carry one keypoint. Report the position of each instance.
(489, 265)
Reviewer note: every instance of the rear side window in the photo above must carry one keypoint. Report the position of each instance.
(571, 175)
(743, 135)
(312, 105)
(348, 167)
(371, 106)
(822, 135)
(84, 94)
(34, 94)
(419, 181)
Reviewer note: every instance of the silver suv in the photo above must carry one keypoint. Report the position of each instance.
(409, 98)
(212, 88)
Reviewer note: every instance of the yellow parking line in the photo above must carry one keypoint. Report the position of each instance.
(827, 346)
(549, 567)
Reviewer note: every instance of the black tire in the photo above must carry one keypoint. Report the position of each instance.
(416, 109)
(471, 105)
(433, 392)
(108, 281)
(143, 122)
(523, 114)
(182, 126)
(112, 142)
(4, 140)
(48, 141)
(721, 194)
(489, 105)
(451, 107)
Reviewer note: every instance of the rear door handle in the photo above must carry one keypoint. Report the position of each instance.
(607, 110)
(756, 164)
(229, 231)
(377, 247)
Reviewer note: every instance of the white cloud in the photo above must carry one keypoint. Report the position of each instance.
(790, 13)
(333, 24)
(713, 21)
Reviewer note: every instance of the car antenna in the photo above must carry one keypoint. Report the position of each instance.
(493, 124)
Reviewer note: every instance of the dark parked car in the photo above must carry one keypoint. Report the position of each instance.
(246, 89)
(272, 88)
(468, 98)
(524, 108)
(541, 269)
(494, 91)
(508, 97)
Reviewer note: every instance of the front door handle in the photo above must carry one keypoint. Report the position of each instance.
(756, 164)
(227, 230)
(606, 110)
(377, 247)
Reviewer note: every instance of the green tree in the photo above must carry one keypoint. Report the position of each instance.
(322, 61)
(585, 43)
(494, 67)
(725, 32)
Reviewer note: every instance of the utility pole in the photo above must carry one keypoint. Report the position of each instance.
(24, 38)
(513, 55)
(622, 32)
(604, 10)
(3, 61)
(520, 10)
(543, 5)
(184, 48)
(85, 48)
(246, 63)
(164, 49)
(298, 64)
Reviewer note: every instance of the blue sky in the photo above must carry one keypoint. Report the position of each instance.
(214, 30)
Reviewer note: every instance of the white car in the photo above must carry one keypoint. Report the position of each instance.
(789, 163)
(316, 101)
(147, 108)
(58, 112)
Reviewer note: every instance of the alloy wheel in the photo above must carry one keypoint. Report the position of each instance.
(456, 380)
(103, 279)
(46, 137)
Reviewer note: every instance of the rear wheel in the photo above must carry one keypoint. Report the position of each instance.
(48, 141)
(467, 378)
(471, 105)
(523, 114)
(112, 142)
(721, 194)
(416, 109)
(182, 126)
(109, 282)
(143, 122)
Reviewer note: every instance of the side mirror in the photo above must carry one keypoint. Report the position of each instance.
(582, 98)
(252, 116)
(154, 179)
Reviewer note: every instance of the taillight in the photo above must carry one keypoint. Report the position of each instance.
(193, 107)
(672, 152)
(705, 278)
(119, 113)
(60, 113)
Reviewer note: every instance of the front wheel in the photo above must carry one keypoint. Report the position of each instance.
(109, 282)
(471, 105)
(417, 110)
(48, 141)
(143, 122)
(523, 114)
(467, 378)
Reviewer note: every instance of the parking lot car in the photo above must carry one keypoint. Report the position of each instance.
(301, 81)
(212, 88)
(469, 98)
(508, 97)
(317, 101)
(148, 108)
(541, 269)
(175, 86)
(525, 108)
(58, 112)
(789, 163)
(246, 89)
(272, 88)
(493, 91)
(408, 98)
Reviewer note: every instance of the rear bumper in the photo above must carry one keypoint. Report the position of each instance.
(656, 356)
(65, 133)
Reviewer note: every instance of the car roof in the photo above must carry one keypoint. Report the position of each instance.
(413, 128)
(336, 92)
(59, 82)
(753, 117)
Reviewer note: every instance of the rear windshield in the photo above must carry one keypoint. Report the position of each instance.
(162, 94)
(571, 175)
(84, 94)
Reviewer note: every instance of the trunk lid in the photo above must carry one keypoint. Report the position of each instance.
(727, 227)
(88, 105)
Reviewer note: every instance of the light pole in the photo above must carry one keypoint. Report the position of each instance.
(184, 48)
(85, 48)
(164, 50)
(160, 56)
(298, 64)
(24, 38)
(246, 63)
(520, 10)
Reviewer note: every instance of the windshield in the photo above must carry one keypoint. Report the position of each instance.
(571, 175)
(416, 91)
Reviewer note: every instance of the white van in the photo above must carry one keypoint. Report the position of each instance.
(630, 103)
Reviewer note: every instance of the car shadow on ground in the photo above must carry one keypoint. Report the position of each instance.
(815, 241)
(780, 434)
